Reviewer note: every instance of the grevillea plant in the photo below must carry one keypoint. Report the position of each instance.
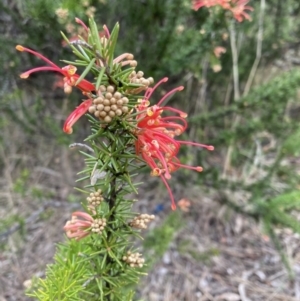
(128, 130)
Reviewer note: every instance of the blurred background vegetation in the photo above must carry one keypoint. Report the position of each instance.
(244, 102)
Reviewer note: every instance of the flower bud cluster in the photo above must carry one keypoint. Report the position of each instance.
(123, 59)
(95, 198)
(126, 59)
(98, 225)
(141, 221)
(138, 78)
(134, 259)
(109, 104)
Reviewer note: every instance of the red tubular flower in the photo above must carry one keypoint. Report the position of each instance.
(69, 73)
(200, 3)
(79, 228)
(155, 137)
(75, 115)
(239, 8)
(209, 3)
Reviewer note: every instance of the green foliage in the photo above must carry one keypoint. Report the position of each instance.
(20, 185)
(291, 147)
(158, 240)
(278, 208)
(10, 221)
(260, 110)
(262, 114)
(67, 277)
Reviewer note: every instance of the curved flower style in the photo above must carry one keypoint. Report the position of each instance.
(75, 115)
(237, 7)
(79, 21)
(155, 137)
(69, 73)
(79, 228)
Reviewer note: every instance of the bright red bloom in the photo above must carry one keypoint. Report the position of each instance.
(207, 3)
(79, 228)
(76, 114)
(238, 10)
(155, 137)
(237, 7)
(69, 73)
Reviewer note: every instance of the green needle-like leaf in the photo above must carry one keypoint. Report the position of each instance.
(86, 71)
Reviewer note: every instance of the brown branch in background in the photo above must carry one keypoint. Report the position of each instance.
(75, 145)
(236, 89)
(258, 47)
(236, 75)
(228, 92)
(200, 103)
(235, 67)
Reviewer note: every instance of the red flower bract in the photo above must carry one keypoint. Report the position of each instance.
(155, 137)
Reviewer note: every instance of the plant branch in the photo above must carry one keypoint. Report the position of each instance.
(258, 47)
(235, 67)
